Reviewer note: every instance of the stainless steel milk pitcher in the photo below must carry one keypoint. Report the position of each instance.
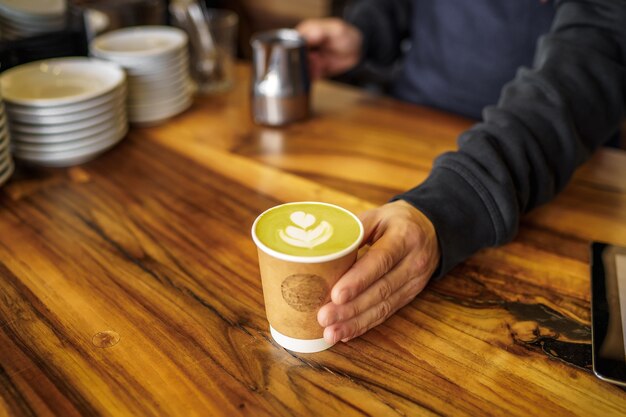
(280, 77)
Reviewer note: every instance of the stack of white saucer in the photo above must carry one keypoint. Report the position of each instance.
(25, 18)
(157, 64)
(64, 111)
(6, 163)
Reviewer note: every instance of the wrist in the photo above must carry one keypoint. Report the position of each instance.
(431, 238)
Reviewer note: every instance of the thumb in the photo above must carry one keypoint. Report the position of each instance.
(370, 222)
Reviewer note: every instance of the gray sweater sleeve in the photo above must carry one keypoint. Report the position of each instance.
(548, 121)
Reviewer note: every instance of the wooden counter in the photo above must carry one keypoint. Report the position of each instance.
(129, 286)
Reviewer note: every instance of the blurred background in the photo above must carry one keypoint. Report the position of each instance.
(88, 18)
(254, 15)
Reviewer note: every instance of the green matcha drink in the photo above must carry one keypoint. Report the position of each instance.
(304, 248)
(309, 230)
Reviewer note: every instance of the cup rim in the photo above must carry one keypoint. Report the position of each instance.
(308, 259)
(269, 36)
(110, 75)
(177, 41)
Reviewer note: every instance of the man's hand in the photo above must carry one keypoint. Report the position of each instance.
(334, 45)
(403, 255)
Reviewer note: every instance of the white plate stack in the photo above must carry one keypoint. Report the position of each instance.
(64, 111)
(157, 64)
(25, 18)
(6, 163)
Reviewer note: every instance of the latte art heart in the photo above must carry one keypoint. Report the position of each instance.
(301, 237)
(302, 219)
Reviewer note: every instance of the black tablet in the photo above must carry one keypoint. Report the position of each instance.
(608, 312)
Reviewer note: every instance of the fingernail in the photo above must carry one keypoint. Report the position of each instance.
(330, 319)
(329, 336)
(337, 336)
(344, 296)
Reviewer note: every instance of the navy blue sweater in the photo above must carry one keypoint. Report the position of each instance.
(567, 96)
(462, 52)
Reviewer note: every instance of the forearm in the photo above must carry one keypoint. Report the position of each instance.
(384, 24)
(547, 122)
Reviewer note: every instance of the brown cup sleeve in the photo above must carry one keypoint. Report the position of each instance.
(294, 292)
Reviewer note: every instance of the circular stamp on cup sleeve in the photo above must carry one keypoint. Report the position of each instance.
(304, 292)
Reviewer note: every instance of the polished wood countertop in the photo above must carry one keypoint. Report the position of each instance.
(129, 286)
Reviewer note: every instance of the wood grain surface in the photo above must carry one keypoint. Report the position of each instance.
(129, 286)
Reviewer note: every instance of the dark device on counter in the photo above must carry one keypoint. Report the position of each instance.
(608, 312)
